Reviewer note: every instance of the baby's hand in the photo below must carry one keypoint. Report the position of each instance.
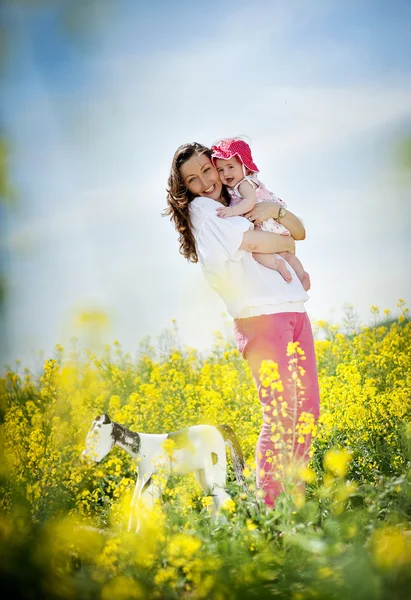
(225, 212)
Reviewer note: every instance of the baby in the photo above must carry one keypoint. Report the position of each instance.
(234, 163)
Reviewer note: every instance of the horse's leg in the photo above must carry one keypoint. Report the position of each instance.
(149, 495)
(212, 480)
(134, 518)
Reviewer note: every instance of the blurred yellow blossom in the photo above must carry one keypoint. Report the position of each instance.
(391, 548)
(336, 462)
(122, 588)
(229, 505)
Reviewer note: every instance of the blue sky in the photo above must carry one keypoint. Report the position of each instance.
(95, 102)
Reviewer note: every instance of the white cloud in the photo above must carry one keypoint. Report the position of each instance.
(110, 244)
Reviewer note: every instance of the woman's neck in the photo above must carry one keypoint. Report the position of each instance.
(224, 198)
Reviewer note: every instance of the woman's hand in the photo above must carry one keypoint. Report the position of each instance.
(263, 211)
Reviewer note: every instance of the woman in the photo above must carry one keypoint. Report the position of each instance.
(268, 312)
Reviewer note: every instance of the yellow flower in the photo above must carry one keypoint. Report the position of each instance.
(229, 505)
(336, 462)
(247, 472)
(325, 572)
(166, 575)
(250, 525)
(391, 548)
(308, 475)
(182, 546)
(206, 501)
(122, 588)
(345, 490)
(292, 348)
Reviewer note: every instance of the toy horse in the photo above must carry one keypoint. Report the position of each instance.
(199, 449)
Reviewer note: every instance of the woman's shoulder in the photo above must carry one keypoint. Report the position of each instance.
(201, 208)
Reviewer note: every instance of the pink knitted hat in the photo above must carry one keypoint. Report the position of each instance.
(230, 147)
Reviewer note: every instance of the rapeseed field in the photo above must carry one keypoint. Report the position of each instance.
(63, 521)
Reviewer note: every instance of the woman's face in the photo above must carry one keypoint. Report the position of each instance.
(201, 178)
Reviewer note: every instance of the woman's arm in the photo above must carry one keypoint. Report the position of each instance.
(267, 243)
(266, 210)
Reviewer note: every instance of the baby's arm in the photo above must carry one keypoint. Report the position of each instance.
(249, 201)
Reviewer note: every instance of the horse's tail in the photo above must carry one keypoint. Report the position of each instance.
(237, 457)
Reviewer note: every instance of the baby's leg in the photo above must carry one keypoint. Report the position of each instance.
(296, 264)
(273, 262)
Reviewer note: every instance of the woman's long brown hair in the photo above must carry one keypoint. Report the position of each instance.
(179, 198)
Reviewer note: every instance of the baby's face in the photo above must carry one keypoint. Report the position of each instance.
(230, 171)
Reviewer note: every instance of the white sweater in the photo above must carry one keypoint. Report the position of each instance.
(248, 288)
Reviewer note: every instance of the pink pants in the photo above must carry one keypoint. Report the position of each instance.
(266, 337)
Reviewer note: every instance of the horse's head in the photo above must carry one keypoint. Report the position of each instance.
(99, 440)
